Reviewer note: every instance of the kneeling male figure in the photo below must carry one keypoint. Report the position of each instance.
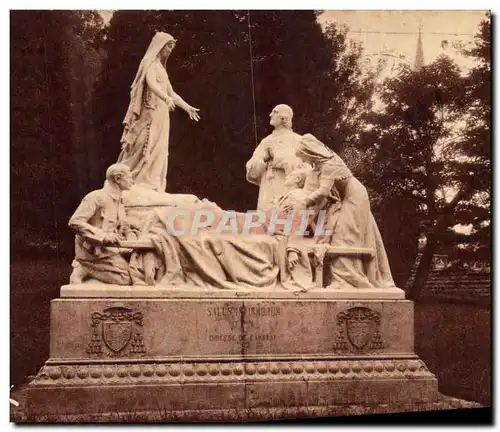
(99, 222)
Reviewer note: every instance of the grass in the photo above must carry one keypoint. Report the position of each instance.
(33, 284)
(452, 338)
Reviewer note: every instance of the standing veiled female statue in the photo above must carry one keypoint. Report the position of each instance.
(147, 122)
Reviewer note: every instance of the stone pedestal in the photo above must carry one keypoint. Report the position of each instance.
(134, 353)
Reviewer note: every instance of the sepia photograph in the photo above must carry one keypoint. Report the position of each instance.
(240, 216)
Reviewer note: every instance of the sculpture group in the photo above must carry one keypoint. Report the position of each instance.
(311, 210)
(180, 307)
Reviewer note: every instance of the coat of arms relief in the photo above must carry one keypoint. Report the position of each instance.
(359, 330)
(117, 331)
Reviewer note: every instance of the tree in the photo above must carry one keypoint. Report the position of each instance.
(50, 74)
(430, 166)
(475, 148)
(235, 66)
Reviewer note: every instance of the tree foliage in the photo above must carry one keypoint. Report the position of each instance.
(429, 152)
(53, 66)
(476, 146)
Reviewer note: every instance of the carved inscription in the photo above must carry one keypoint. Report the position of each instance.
(242, 322)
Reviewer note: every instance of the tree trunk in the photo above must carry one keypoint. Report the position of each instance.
(424, 266)
(423, 269)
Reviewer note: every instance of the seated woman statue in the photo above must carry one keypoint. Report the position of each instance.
(348, 215)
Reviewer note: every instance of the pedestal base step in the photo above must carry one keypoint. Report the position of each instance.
(167, 387)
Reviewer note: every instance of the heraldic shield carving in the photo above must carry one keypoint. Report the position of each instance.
(360, 326)
(117, 328)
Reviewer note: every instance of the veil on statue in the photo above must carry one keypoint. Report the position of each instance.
(137, 89)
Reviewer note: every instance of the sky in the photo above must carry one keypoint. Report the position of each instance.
(106, 14)
(373, 29)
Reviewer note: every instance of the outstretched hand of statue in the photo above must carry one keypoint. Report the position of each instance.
(193, 113)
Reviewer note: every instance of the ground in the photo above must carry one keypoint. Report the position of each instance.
(452, 338)
(452, 410)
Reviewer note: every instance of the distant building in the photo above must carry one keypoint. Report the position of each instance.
(454, 279)
(419, 56)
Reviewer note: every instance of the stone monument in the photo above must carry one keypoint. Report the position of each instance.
(177, 306)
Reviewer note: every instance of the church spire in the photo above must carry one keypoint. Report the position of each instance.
(419, 56)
